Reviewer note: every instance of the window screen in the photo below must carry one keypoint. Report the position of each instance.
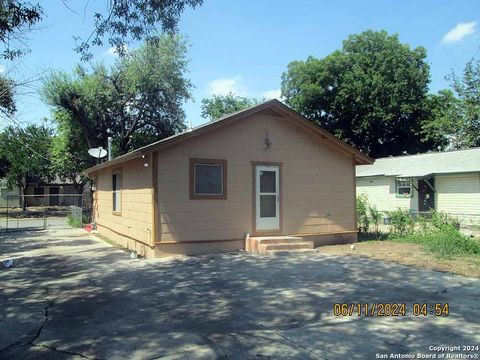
(208, 179)
(116, 192)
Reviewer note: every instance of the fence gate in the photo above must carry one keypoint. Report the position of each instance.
(41, 211)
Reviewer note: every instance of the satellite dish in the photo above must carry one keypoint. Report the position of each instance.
(97, 152)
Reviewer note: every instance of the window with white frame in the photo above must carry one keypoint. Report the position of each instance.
(404, 187)
(117, 192)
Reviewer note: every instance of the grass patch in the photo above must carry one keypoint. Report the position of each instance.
(445, 241)
(74, 221)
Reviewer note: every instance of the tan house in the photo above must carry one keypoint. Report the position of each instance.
(261, 179)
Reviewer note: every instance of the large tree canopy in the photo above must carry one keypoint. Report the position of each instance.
(219, 105)
(27, 153)
(370, 93)
(137, 101)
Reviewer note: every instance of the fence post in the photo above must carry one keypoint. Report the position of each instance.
(6, 225)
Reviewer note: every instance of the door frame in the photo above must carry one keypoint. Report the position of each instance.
(278, 231)
(421, 194)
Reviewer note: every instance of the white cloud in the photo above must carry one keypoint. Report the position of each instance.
(272, 94)
(460, 31)
(112, 51)
(2, 69)
(226, 85)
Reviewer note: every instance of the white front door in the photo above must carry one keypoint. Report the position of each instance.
(267, 197)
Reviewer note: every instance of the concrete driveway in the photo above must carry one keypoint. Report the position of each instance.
(73, 296)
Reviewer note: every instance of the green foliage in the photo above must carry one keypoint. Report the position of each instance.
(401, 221)
(137, 101)
(370, 93)
(27, 152)
(437, 232)
(16, 17)
(441, 118)
(220, 105)
(466, 126)
(375, 217)
(134, 19)
(73, 221)
(7, 103)
(362, 213)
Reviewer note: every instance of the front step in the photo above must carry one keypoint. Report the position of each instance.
(278, 244)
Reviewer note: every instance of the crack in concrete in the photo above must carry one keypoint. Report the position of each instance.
(37, 333)
(66, 352)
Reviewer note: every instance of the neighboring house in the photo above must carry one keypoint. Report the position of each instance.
(54, 193)
(264, 171)
(448, 182)
(8, 197)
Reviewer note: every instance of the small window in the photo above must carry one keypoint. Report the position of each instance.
(208, 179)
(404, 188)
(117, 192)
(3, 193)
(38, 192)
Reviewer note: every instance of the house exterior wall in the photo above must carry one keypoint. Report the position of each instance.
(66, 195)
(459, 195)
(132, 226)
(317, 190)
(8, 196)
(381, 192)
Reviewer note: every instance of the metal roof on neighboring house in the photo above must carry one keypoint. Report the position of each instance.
(422, 165)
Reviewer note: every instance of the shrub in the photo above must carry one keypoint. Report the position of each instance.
(362, 213)
(445, 242)
(401, 221)
(375, 217)
(74, 221)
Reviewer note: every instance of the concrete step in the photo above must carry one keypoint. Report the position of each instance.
(301, 245)
(286, 252)
(277, 239)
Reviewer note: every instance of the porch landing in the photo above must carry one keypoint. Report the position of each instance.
(278, 244)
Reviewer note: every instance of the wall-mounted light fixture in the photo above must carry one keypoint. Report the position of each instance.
(145, 158)
(267, 141)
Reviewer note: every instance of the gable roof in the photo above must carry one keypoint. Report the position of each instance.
(422, 165)
(272, 105)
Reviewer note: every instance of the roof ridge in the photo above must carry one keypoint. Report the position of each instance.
(428, 153)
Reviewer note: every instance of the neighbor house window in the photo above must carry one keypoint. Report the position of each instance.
(404, 187)
(38, 192)
(208, 179)
(117, 192)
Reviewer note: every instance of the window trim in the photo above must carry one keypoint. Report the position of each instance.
(397, 187)
(116, 172)
(194, 196)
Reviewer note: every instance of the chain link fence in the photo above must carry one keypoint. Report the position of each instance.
(39, 212)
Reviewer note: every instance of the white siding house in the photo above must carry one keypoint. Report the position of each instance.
(448, 182)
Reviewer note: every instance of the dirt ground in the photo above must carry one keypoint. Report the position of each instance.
(408, 254)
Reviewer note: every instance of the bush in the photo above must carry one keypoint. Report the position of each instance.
(401, 221)
(74, 221)
(362, 213)
(446, 242)
(375, 216)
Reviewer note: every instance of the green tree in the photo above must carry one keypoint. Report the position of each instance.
(370, 93)
(121, 20)
(467, 90)
(15, 18)
(69, 152)
(137, 101)
(441, 119)
(27, 151)
(219, 105)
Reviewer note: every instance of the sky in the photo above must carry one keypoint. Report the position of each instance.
(245, 46)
